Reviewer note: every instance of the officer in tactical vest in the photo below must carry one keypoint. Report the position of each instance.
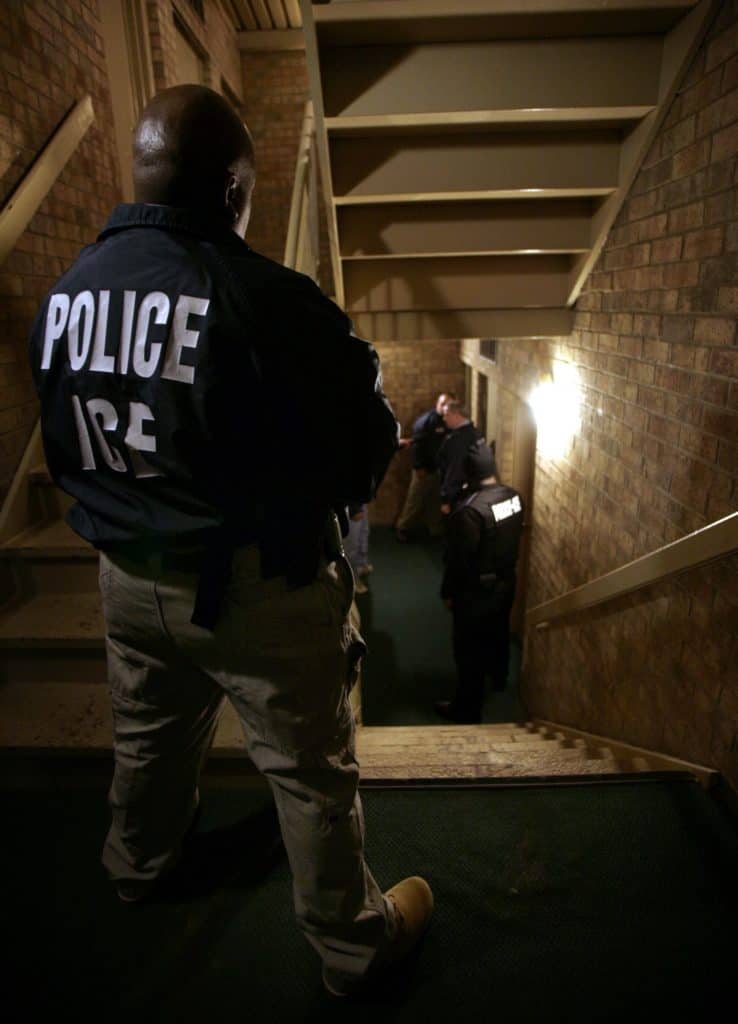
(478, 585)
(175, 367)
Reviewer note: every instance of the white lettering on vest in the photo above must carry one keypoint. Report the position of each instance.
(88, 459)
(104, 418)
(56, 321)
(126, 329)
(182, 337)
(100, 361)
(137, 441)
(145, 363)
(78, 351)
(504, 509)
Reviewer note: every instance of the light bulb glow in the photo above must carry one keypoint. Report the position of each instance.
(557, 405)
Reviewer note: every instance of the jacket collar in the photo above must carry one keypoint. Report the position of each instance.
(173, 218)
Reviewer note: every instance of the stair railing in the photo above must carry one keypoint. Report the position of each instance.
(46, 168)
(717, 540)
(302, 248)
(17, 508)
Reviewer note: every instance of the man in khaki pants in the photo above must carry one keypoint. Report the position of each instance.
(176, 370)
(422, 507)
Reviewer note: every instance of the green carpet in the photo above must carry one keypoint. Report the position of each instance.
(407, 627)
(581, 904)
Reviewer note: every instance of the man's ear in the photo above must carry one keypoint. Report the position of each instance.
(233, 198)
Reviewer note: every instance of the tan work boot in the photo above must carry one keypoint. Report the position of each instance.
(412, 901)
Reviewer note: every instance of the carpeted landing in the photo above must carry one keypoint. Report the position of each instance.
(407, 627)
(576, 904)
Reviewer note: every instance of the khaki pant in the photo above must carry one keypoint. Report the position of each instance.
(423, 504)
(286, 658)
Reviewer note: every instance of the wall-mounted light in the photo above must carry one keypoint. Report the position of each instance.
(556, 403)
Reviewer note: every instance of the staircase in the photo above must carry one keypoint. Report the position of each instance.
(475, 153)
(54, 701)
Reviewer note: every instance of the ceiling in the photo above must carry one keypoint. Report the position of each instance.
(263, 15)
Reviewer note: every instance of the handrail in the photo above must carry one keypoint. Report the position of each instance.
(705, 545)
(46, 168)
(301, 251)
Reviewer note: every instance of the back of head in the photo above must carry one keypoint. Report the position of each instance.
(455, 413)
(479, 464)
(190, 148)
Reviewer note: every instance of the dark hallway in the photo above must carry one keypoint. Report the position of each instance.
(407, 628)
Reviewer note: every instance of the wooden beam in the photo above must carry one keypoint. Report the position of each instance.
(246, 14)
(483, 164)
(451, 325)
(515, 74)
(562, 117)
(275, 39)
(321, 143)
(426, 229)
(463, 282)
(420, 21)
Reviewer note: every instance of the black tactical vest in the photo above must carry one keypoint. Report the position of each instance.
(501, 509)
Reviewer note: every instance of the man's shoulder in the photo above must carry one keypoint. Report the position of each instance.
(284, 290)
(426, 419)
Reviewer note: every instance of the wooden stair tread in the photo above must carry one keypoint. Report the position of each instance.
(76, 718)
(48, 540)
(61, 717)
(53, 620)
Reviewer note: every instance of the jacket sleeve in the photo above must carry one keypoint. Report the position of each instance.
(451, 468)
(461, 560)
(331, 391)
(423, 456)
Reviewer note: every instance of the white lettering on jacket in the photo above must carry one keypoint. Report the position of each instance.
(123, 343)
(504, 509)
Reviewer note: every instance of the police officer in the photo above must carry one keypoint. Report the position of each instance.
(451, 455)
(175, 367)
(479, 582)
(422, 502)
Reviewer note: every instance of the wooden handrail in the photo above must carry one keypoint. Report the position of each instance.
(706, 545)
(46, 168)
(302, 224)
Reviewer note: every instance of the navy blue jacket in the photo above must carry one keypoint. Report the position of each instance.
(451, 457)
(191, 389)
(429, 432)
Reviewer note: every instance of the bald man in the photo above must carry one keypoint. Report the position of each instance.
(176, 368)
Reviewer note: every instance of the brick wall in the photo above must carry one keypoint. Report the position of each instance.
(214, 37)
(51, 56)
(414, 375)
(657, 454)
(275, 90)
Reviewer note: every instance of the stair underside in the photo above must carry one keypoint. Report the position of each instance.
(475, 154)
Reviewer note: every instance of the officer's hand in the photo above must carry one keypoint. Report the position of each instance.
(445, 509)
